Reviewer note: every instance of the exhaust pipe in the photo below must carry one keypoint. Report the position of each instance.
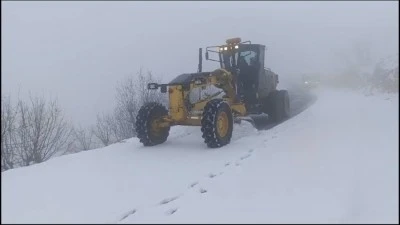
(200, 60)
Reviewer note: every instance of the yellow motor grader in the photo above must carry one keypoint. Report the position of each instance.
(244, 90)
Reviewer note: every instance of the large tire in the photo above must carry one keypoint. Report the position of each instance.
(277, 106)
(284, 97)
(273, 107)
(147, 134)
(217, 123)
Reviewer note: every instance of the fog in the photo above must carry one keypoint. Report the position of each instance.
(79, 51)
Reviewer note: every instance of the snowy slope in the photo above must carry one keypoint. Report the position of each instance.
(337, 161)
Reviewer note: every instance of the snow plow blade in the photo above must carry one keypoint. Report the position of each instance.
(257, 120)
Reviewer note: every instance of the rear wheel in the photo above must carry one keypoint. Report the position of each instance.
(147, 128)
(277, 105)
(284, 97)
(272, 107)
(217, 123)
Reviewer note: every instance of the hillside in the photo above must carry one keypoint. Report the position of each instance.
(337, 161)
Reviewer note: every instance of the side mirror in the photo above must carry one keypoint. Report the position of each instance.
(207, 55)
(152, 86)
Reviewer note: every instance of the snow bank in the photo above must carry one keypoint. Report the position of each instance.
(335, 162)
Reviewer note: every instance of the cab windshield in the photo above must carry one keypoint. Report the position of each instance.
(235, 59)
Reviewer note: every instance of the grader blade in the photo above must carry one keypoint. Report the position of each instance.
(257, 120)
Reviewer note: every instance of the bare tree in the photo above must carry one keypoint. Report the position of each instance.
(71, 146)
(8, 131)
(103, 130)
(83, 138)
(132, 93)
(127, 103)
(122, 124)
(42, 130)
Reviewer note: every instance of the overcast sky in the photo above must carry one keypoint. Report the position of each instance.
(79, 51)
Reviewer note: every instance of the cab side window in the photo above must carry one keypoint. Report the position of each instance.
(249, 56)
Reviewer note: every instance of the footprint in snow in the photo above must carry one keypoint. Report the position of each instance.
(211, 175)
(194, 184)
(202, 190)
(237, 164)
(172, 211)
(251, 150)
(168, 200)
(227, 164)
(245, 157)
(133, 211)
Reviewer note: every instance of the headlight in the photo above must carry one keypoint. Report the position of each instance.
(236, 46)
(221, 49)
(226, 48)
(306, 82)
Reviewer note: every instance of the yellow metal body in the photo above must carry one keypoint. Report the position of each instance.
(178, 111)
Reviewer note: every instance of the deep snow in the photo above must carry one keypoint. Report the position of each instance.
(337, 161)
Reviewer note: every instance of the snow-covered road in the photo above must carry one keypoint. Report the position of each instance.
(336, 161)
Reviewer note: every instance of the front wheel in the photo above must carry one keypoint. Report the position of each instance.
(147, 129)
(217, 123)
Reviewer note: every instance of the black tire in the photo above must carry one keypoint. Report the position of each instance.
(278, 106)
(273, 107)
(146, 115)
(284, 97)
(215, 136)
